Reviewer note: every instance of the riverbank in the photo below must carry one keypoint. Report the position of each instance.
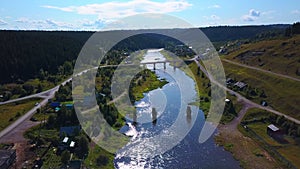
(244, 149)
(144, 82)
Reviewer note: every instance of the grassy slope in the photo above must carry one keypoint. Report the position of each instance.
(280, 55)
(290, 151)
(11, 112)
(282, 94)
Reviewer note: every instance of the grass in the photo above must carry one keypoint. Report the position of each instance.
(285, 101)
(291, 150)
(94, 153)
(41, 132)
(42, 116)
(150, 83)
(261, 129)
(12, 111)
(245, 150)
(51, 160)
(280, 55)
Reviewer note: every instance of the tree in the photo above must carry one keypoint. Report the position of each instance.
(28, 88)
(83, 147)
(39, 88)
(102, 160)
(68, 68)
(65, 157)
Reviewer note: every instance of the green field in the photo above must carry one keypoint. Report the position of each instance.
(290, 150)
(279, 55)
(94, 153)
(282, 94)
(150, 82)
(12, 111)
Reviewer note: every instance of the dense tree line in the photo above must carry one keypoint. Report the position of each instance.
(293, 29)
(230, 33)
(24, 54)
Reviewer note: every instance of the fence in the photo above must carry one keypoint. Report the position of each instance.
(268, 148)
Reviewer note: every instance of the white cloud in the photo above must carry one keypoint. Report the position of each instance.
(113, 10)
(48, 24)
(2, 22)
(295, 12)
(251, 16)
(215, 6)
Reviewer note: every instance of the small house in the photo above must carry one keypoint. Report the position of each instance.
(276, 133)
(65, 140)
(240, 85)
(272, 129)
(264, 103)
(229, 81)
(72, 144)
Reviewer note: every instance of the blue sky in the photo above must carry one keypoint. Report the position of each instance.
(94, 14)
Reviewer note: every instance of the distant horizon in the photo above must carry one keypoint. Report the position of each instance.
(103, 30)
(94, 15)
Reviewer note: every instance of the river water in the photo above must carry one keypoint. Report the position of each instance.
(172, 141)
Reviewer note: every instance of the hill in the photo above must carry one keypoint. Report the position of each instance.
(281, 55)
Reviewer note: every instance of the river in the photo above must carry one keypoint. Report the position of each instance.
(150, 138)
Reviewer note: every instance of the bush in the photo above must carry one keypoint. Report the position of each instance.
(102, 160)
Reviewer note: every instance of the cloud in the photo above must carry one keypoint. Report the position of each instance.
(215, 6)
(251, 16)
(2, 22)
(48, 24)
(295, 12)
(113, 10)
(51, 22)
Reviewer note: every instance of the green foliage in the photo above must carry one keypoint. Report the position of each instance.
(83, 145)
(102, 160)
(65, 157)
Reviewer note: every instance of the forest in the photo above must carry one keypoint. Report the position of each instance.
(28, 53)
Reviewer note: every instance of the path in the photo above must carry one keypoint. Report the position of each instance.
(262, 70)
(242, 98)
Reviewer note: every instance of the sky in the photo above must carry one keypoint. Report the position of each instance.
(95, 14)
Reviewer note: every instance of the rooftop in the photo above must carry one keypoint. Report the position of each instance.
(240, 84)
(273, 127)
(65, 140)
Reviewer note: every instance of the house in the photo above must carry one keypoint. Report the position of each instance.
(7, 158)
(69, 131)
(272, 129)
(227, 100)
(229, 81)
(72, 144)
(264, 103)
(65, 140)
(240, 85)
